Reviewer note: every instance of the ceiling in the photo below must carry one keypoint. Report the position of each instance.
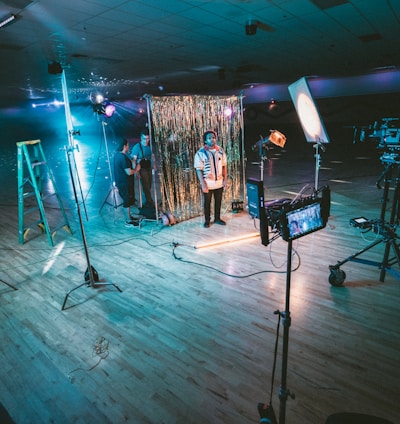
(128, 48)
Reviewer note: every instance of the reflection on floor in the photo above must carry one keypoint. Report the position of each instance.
(191, 337)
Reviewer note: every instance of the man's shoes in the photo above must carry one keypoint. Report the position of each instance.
(206, 225)
(131, 223)
(219, 222)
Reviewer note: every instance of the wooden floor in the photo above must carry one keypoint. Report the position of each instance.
(190, 339)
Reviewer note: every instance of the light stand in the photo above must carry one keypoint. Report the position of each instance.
(263, 157)
(286, 321)
(310, 215)
(147, 97)
(317, 155)
(275, 138)
(261, 146)
(265, 410)
(112, 194)
(90, 276)
(243, 152)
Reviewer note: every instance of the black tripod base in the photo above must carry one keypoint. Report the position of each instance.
(112, 199)
(91, 280)
(338, 276)
(267, 414)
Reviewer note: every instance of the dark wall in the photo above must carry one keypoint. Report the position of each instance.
(343, 118)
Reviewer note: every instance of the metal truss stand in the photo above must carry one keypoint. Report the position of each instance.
(385, 230)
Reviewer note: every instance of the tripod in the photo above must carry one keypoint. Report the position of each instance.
(113, 192)
(385, 230)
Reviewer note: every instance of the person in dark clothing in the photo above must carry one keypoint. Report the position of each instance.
(124, 174)
(142, 154)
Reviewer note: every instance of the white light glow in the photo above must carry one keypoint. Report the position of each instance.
(308, 116)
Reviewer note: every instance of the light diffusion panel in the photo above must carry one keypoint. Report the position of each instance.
(307, 111)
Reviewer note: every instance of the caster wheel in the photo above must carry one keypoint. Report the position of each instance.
(337, 277)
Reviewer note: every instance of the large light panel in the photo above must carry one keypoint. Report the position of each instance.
(307, 111)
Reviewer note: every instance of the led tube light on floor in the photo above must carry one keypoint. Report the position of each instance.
(7, 20)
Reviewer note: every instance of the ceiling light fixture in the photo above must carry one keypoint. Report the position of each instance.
(8, 20)
(109, 109)
(253, 24)
(105, 108)
(251, 27)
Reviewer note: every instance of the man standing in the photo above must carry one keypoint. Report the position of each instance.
(142, 154)
(124, 175)
(211, 167)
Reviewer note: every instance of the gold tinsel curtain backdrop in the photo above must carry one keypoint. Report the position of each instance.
(177, 127)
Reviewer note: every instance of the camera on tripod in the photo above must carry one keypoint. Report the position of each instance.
(388, 137)
(386, 134)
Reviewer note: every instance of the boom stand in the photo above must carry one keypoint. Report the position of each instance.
(113, 190)
(387, 232)
(90, 277)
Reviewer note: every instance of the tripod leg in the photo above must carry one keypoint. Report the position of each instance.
(8, 284)
(113, 194)
(355, 255)
(67, 295)
(105, 201)
(337, 276)
(387, 262)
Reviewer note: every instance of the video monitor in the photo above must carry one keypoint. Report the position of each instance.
(255, 197)
(307, 111)
(256, 206)
(303, 220)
